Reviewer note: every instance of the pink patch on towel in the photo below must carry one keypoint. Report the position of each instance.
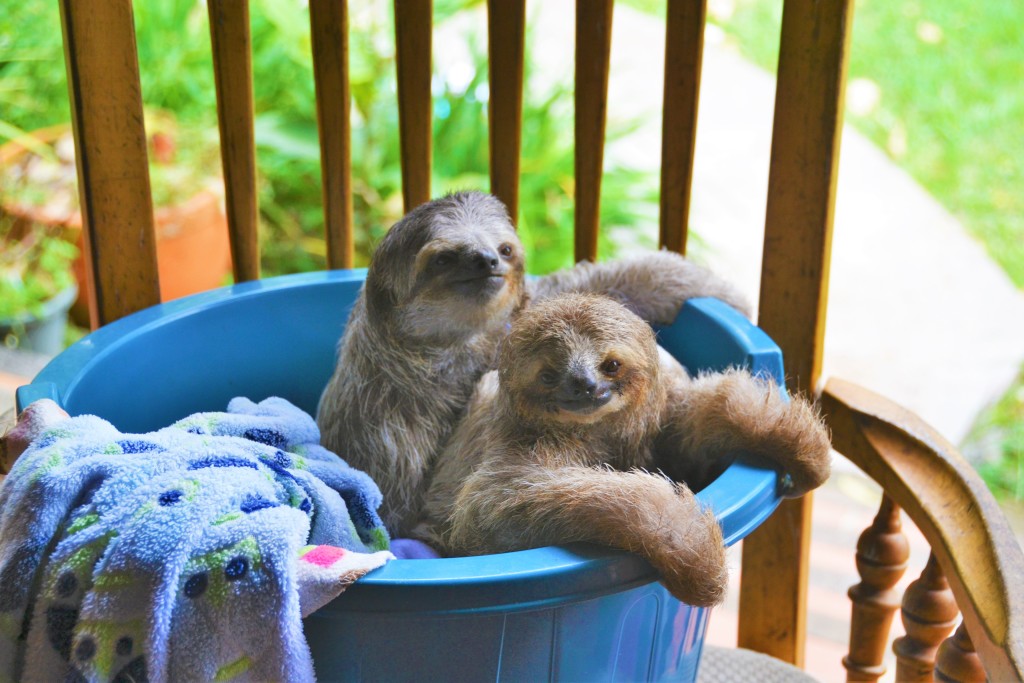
(324, 555)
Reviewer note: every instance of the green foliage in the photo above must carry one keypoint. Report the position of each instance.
(33, 88)
(289, 152)
(950, 106)
(997, 440)
(176, 66)
(35, 266)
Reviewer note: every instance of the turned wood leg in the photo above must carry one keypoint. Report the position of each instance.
(929, 615)
(882, 553)
(957, 660)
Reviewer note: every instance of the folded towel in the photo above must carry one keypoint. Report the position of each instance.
(190, 553)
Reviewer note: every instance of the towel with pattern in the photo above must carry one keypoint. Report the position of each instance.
(189, 553)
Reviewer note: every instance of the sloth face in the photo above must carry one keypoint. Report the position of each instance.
(579, 383)
(578, 359)
(452, 267)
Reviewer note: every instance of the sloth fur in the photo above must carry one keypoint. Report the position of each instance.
(558, 445)
(442, 288)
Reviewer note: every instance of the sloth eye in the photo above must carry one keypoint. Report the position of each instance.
(549, 378)
(505, 250)
(611, 367)
(444, 258)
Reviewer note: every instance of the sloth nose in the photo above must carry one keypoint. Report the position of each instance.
(483, 260)
(581, 386)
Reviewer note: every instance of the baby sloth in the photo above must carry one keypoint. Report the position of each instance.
(557, 443)
(441, 290)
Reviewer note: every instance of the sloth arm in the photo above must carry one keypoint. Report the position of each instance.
(713, 417)
(654, 286)
(511, 507)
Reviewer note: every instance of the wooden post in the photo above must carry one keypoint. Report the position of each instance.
(412, 60)
(232, 68)
(506, 30)
(684, 50)
(329, 31)
(794, 293)
(110, 141)
(593, 49)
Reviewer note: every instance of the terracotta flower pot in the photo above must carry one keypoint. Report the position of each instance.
(193, 252)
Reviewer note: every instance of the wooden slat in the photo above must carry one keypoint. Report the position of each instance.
(946, 499)
(329, 21)
(773, 589)
(506, 28)
(232, 67)
(794, 288)
(684, 47)
(110, 141)
(593, 49)
(412, 56)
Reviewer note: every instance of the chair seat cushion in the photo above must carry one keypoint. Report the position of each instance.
(736, 665)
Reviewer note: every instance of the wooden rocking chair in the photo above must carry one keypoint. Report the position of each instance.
(972, 547)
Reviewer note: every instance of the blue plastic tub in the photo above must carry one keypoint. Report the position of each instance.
(575, 613)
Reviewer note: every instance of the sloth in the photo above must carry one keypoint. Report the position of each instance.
(559, 443)
(441, 290)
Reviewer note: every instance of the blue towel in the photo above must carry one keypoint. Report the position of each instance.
(190, 553)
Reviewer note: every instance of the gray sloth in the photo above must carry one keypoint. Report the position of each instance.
(442, 289)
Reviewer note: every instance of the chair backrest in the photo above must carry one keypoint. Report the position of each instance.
(102, 66)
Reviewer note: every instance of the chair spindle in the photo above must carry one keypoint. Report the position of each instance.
(412, 57)
(329, 32)
(929, 615)
(110, 143)
(506, 29)
(958, 661)
(593, 51)
(232, 66)
(882, 553)
(684, 48)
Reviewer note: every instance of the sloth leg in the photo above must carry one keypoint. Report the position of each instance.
(503, 509)
(719, 415)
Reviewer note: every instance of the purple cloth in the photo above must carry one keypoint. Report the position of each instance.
(411, 549)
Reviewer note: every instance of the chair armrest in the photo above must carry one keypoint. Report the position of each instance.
(968, 533)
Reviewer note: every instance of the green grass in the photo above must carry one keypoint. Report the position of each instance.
(937, 85)
(998, 440)
(950, 107)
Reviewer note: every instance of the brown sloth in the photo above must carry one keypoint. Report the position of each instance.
(557, 446)
(442, 288)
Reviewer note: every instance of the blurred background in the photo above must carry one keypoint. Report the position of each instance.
(926, 301)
